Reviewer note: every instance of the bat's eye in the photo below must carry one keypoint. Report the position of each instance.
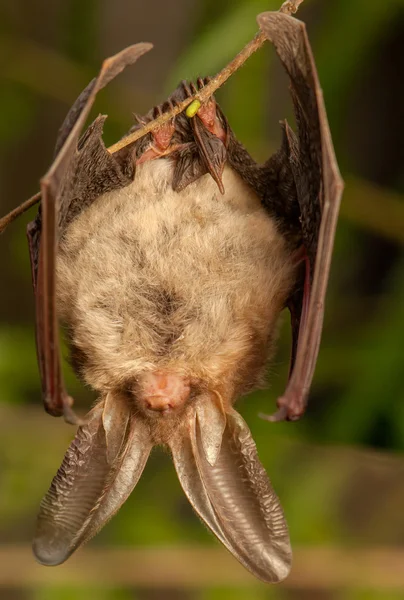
(163, 392)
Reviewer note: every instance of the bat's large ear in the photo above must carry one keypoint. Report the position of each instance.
(99, 471)
(219, 469)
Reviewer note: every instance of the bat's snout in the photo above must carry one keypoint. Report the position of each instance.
(160, 403)
(163, 392)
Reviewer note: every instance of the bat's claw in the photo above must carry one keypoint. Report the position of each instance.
(70, 416)
(280, 415)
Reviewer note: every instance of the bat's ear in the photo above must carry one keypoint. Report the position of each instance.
(219, 469)
(100, 469)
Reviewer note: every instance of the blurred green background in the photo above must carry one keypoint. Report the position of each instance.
(340, 471)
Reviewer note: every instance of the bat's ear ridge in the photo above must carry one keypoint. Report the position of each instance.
(212, 422)
(100, 469)
(234, 496)
(72, 493)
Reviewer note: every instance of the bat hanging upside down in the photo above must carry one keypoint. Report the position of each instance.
(169, 262)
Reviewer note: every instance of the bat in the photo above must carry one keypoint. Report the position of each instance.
(168, 261)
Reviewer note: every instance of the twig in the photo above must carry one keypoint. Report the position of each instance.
(5, 221)
(289, 7)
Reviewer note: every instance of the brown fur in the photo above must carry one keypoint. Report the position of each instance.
(188, 282)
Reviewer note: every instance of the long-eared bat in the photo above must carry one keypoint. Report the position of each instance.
(168, 263)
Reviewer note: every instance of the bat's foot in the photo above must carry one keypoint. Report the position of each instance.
(161, 143)
(208, 115)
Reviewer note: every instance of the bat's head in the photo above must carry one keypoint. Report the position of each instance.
(196, 139)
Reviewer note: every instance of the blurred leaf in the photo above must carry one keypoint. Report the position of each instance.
(378, 385)
(221, 41)
(80, 29)
(49, 73)
(244, 101)
(18, 109)
(17, 355)
(373, 208)
(345, 43)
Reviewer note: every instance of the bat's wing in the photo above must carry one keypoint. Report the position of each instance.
(220, 472)
(81, 171)
(319, 188)
(100, 469)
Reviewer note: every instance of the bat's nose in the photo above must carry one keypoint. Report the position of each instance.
(159, 403)
(163, 391)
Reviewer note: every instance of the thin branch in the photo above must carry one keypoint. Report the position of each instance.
(5, 221)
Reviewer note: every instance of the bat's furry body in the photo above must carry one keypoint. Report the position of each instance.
(188, 282)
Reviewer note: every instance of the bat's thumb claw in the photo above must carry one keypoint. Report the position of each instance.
(70, 416)
(280, 415)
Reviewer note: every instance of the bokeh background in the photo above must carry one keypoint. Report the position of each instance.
(340, 471)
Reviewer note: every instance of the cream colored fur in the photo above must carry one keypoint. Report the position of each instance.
(190, 282)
